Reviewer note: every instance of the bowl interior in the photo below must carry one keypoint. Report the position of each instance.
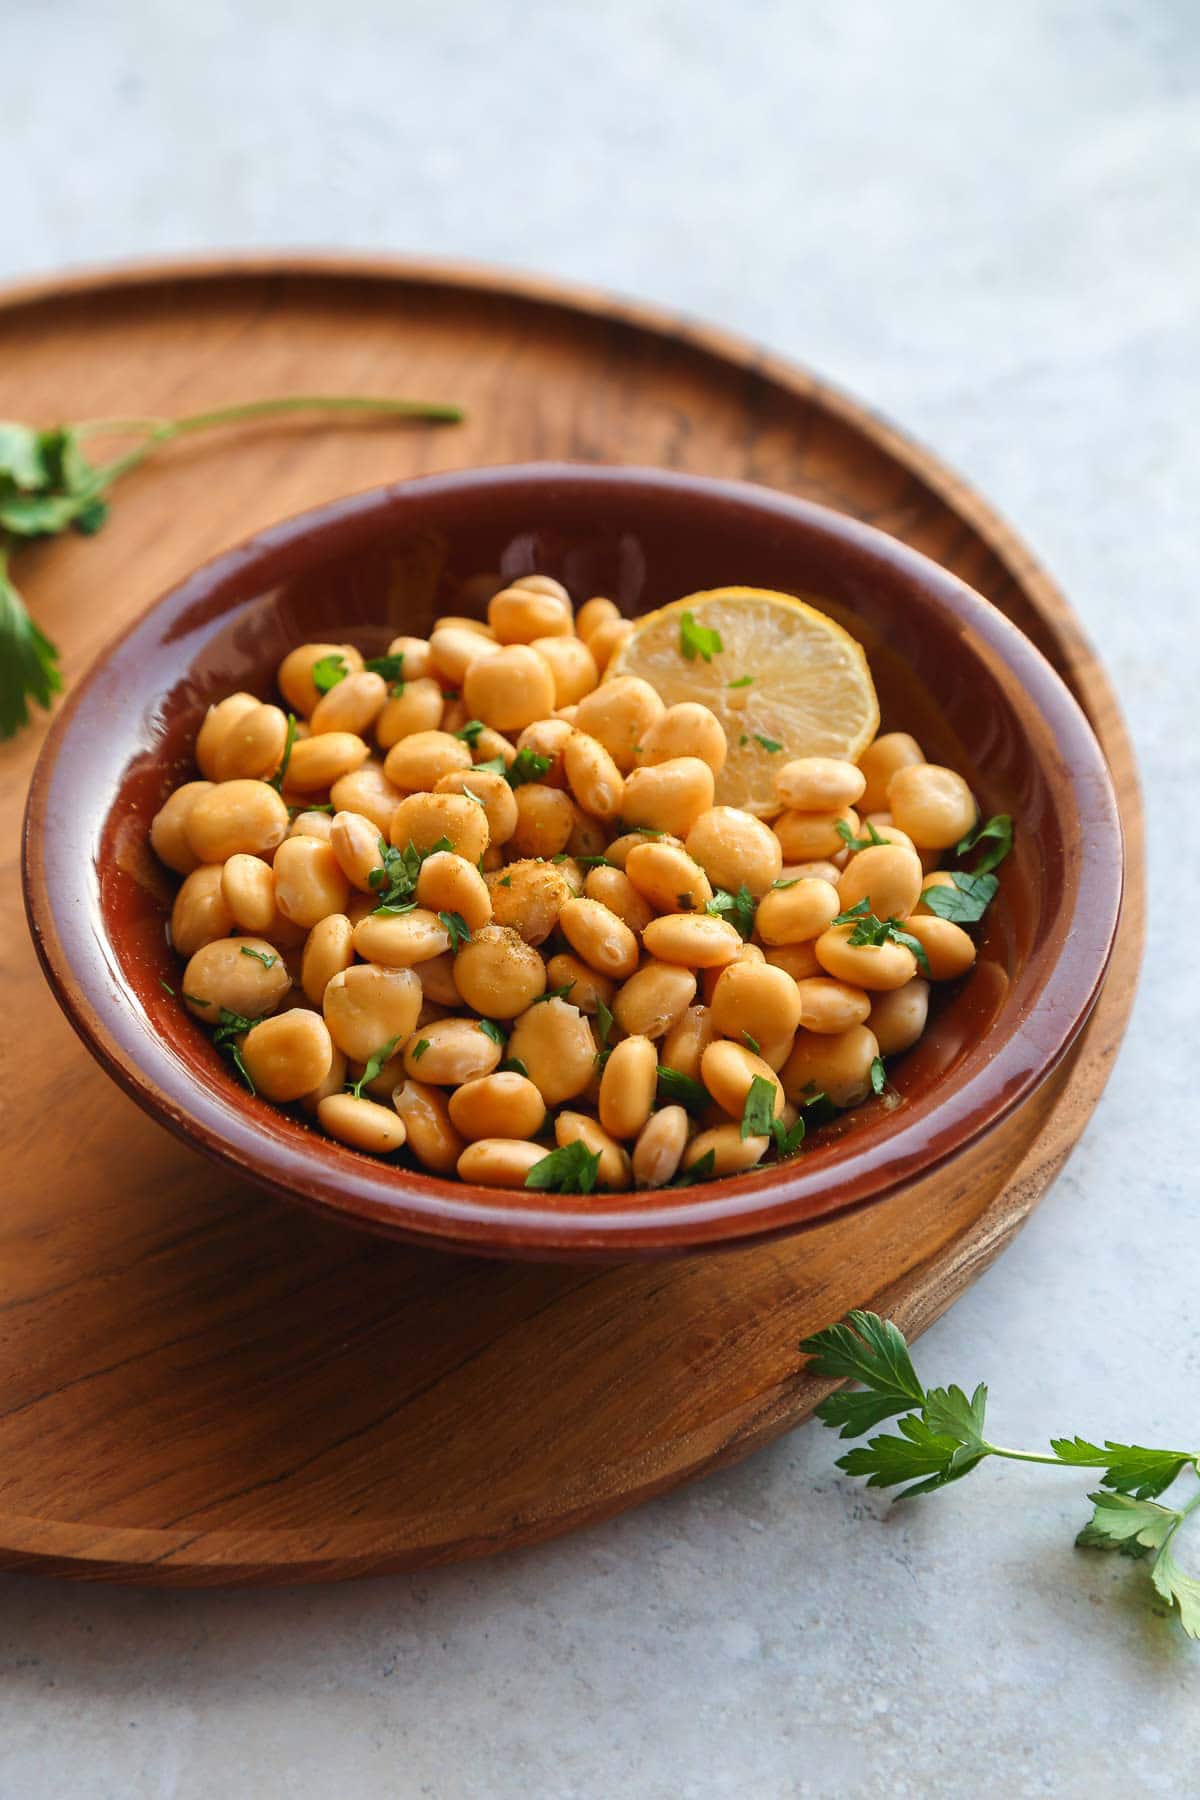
(948, 667)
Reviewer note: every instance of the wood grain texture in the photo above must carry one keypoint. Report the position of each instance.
(200, 1385)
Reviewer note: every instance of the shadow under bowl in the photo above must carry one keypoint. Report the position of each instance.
(949, 667)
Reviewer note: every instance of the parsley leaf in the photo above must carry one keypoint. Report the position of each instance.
(280, 776)
(166, 987)
(873, 932)
(742, 681)
(996, 836)
(391, 667)
(787, 1142)
(759, 1110)
(514, 1066)
(571, 1169)
(941, 1438)
(697, 640)
(490, 1029)
(739, 908)
(230, 1027)
(700, 1170)
(558, 993)
(28, 660)
(469, 733)
(789, 882)
(327, 671)
(751, 1043)
(878, 1076)
(395, 879)
(374, 1064)
(851, 842)
(526, 765)
(965, 901)
(604, 1022)
(684, 1090)
(495, 765)
(460, 931)
(419, 1048)
(268, 961)
(771, 745)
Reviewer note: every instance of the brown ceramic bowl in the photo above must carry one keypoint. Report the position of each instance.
(949, 668)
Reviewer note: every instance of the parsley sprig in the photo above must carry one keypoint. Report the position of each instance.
(872, 931)
(939, 1438)
(739, 909)
(394, 881)
(571, 1169)
(698, 640)
(48, 485)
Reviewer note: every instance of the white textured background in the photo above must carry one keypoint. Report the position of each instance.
(984, 219)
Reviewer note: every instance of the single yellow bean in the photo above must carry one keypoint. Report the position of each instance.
(510, 688)
(168, 828)
(233, 816)
(615, 890)
(418, 663)
(328, 951)
(898, 1018)
(606, 640)
(362, 1124)
(593, 776)
(594, 613)
(628, 1085)
(422, 820)
(949, 950)
(545, 821)
(548, 738)
(399, 941)
(686, 1042)
(200, 915)
(619, 713)
(244, 974)
(453, 648)
(518, 615)
(588, 988)
(252, 747)
(932, 804)
(416, 709)
(670, 796)
(746, 953)
(807, 836)
(819, 784)
(417, 762)
(450, 1051)
(353, 704)
(553, 1040)
(572, 665)
(732, 1154)
(217, 722)
(498, 974)
(431, 1134)
(660, 1147)
(367, 1006)
(793, 915)
(492, 791)
(529, 896)
(501, 1105)
(697, 940)
(876, 967)
(827, 1006)
(604, 941)
(295, 679)
(797, 960)
(837, 1065)
(887, 876)
(668, 878)
(499, 1162)
(728, 1070)
(448, 883)
(755, 998)
(309, 883)
(368, 791)
(289, 1055)
(735, 849)
(654, 999)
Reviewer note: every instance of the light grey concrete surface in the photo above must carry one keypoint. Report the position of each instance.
(984, 220)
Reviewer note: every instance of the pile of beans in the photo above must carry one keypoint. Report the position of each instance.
(561, 941)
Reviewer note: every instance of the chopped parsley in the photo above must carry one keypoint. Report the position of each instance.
(697, 640)
(787, 1142)
(878, 1076)
(751, 1043)
(558, 993)
(395, 879)
(742, 681)
(460, 931)
(230, 1027)
(267, 959)
(964, 901)
(683, 1090)
(738, 908)
(392, 670)
(700, 1170)
(759, 1110)
(373, 1065)
(327, 671)
(526, 765)
(851, 842)
(419, 1048)
(166, 987)
(770, 745)
(490, 1029)
(996, 836)
(469, 733)
(512, 1065)
(872, 932)
(571, 1169)
(279, 777)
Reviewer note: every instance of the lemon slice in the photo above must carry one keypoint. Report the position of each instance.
(809, 691)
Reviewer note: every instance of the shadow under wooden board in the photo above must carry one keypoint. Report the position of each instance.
(201, 1385)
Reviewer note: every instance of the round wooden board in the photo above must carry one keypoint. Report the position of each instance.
(202, 1385)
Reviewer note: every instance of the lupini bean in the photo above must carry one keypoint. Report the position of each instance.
(615, 890)
(619, 713)
(607, 639)
(248, 890)
(604, 941)
(168, 829)
(572, 665)
(318, 762)
(352, 705)
(450, 1051)
(368, 791)
(807, 836)
(545, 821)
(553, 1040)
(735, 849)
(668, 878)
(687, 729)
(492, 791)
(732, 1153)
(876, 967)
(888, 877)
(499, 1162)
(289, 1055)
(246, 975)
(233, 816)
(448, 883)
(837, 1065)
(758, 999)
(697, 940)
(417, 709)
(422, 820)
(828, 1006)
(686, 1042)
(949, 950)
(794, 914)
(295, 677)
(518, 615)
(627, 1087)
(898, 1018)
(654, 999)
(728, 1070)
(588, 988)
(200, 915)
(529, 896)
(367, 1006)
(252, 746)
(613, 1172)
(670, 796)
(660, 1147)
(510, 688)
(328, 951)
(504, 1104)
(401, 940)
(880, 761)
(309, 883)
(431, 1134)
(932, 804)
(819, 784)
(361, 1124)
(593, 776)
(416, 763)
